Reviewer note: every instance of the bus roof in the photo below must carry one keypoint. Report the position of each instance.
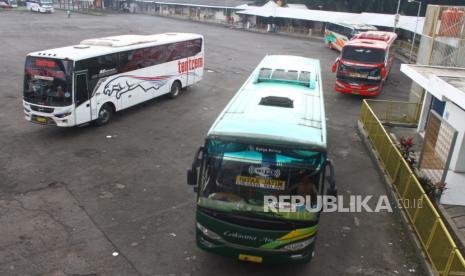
(280, 103)
(107, 45)
(372, 39)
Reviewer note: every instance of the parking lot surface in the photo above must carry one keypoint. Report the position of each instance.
(113, 200)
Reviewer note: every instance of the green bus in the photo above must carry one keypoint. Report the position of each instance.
(270, 140)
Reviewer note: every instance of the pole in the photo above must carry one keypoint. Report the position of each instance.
(396, 16)
(415, 33)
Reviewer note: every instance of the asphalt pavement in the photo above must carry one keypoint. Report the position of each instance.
(113, 200)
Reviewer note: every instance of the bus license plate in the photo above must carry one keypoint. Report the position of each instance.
(249, 258)
(42, 120)
(358, 75)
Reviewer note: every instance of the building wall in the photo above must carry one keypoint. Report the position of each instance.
(425, 108)
(437, 49)
(455, 116)
(219, 15)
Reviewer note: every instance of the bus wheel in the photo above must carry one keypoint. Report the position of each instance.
(175, 89)
(104, 115)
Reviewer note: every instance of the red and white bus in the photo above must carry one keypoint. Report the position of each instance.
(90, 81)
(364, 63)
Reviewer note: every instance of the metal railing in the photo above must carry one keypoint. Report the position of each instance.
(436, 241)
(396, 112)
(443, 39)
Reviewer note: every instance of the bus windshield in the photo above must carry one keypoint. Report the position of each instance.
(237, 176)
(365, 55)
(363, 74)
(48, 81)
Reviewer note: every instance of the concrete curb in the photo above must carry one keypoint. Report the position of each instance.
(393, 198)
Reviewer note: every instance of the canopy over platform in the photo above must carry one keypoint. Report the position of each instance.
(377, 19)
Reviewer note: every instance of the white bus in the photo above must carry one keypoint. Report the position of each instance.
(90, 81)
(337, 34)
(42, 6)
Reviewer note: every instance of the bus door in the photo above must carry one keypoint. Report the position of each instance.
(83, 108)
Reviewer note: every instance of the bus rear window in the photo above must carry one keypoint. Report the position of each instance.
(366, 55)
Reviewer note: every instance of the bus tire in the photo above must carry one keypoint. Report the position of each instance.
(104, 115)
(175, 89)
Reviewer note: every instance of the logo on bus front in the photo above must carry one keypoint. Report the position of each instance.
(264, 172)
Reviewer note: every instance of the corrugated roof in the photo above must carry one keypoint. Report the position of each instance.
(377, 19)
(297, 6)
(209, 3)
(444, 83)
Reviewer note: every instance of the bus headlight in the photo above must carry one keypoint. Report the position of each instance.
(373, 88)
(62, 115)
(298, 245)
(340, 85)
(212, 235)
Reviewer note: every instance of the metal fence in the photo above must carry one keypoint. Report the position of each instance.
(437, 149)
(436, 241)
(396, 112)
(443, 41)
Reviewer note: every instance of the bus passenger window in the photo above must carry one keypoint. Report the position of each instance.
(155, 55)
(131, 60)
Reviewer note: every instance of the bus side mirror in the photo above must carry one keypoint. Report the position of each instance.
(332, 190)
(383, 72)
(192, 173)
(334, 67)
(192, 176)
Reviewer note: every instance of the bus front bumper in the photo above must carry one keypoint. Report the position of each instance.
(255, 255)
(58, 117)
(361, 90)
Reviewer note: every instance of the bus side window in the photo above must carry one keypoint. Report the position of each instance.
(122, 61)
(351, 34)
(182, 49)
(194, 47)
(178, 50)
(97, 66)
(171, 52)
(155, 55)
(82, 94)
(131, 60)
(346, 32)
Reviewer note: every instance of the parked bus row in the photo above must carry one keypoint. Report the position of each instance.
(245, 157)
(338, 34)
(365, 60)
